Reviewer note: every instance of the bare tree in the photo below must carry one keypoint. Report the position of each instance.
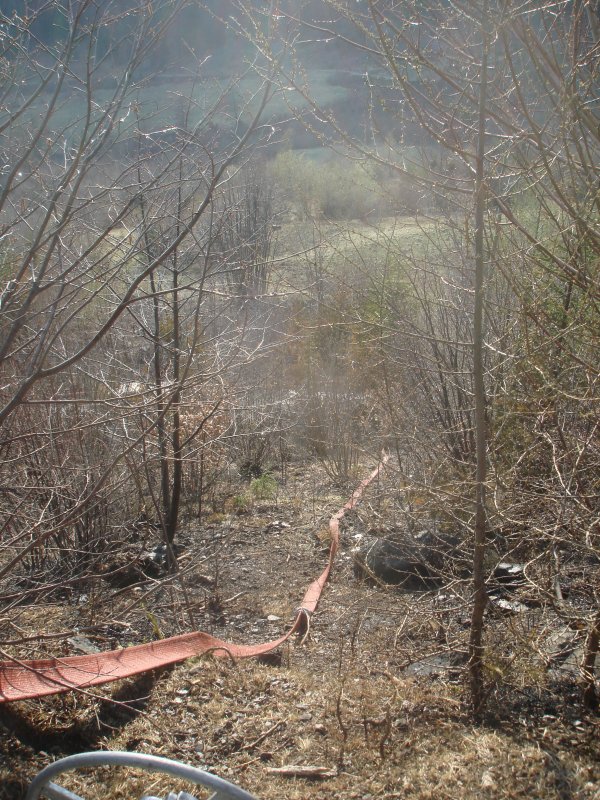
(107, 210)
(491, 110)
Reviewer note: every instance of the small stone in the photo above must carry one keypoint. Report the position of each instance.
(320, 729)
(277, 525)
(508, 606)
(273, 618)
(83, 645)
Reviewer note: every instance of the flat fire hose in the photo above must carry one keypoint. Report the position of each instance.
(22, 680)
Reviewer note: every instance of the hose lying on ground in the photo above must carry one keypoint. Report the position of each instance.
(21, 680)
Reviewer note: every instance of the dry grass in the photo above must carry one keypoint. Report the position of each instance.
(343, 700)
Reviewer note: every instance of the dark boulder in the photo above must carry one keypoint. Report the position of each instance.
(414, 562)
(388, 561)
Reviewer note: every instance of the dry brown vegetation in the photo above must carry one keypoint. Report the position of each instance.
(207, 337)
(375, 696)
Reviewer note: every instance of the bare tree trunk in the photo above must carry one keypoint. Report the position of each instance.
(476, 649)
(175, 499)
(592, 642)
(158, 379)
(161, 425)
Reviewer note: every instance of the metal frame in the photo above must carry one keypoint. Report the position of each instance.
(43, 785)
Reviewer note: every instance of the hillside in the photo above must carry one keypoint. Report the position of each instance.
(246, 248)
(374, 694)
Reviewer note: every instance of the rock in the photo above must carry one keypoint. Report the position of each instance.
(506, 579)
(277, 525)
(508, 606)
(563, 650)
(390, 562)
(158, 555)
(434, 666)
(510, 575)
(412, 561)
(82, 644)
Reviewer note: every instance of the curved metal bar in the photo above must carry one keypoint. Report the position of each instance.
(224, 790)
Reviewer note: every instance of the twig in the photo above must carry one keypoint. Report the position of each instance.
(261, 738)
(387, 732)
(557, 590)
(343, 728)
(301, 771)
(261, 757)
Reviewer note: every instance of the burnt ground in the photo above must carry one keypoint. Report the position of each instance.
(374, 697)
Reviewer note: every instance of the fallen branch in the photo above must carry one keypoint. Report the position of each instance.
(291, 771)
